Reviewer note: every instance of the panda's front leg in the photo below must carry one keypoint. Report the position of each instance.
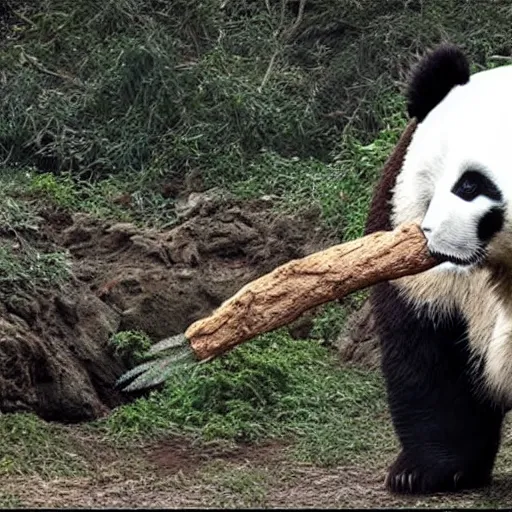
(449, 434)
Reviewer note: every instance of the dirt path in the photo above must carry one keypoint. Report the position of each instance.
(177, 475)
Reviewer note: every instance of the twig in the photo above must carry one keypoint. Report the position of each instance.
(281, 18)
(8, 157)
(269, 70)
(300, 15)
(22, 17)
(33, 60)
(286, 36)
(501, 57)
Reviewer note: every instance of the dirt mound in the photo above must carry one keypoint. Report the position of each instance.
(358, 343)
(55, 355)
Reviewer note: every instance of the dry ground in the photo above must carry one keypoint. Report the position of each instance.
(176, 473)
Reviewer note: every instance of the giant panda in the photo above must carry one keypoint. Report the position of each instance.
(446, 334)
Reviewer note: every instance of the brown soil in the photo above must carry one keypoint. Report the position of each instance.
(358, 343)
(55, 355)
(180, 454)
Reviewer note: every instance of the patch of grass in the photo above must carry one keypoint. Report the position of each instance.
(10, 501)
(272, 387)
(23, 263)
(362, 165)
(169, 84)
(61, 191)
(249, 94)
(341, 188)
(236, 487)
(130, 346)
(328, 324)
(31, 446)
(17, 217)
(24, 267)
(191, 88)
(123, 197)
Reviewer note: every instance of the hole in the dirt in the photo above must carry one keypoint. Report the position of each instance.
(77, 371)
(233, 253)
(41, 373)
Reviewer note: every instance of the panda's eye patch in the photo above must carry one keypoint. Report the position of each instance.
(473, 184)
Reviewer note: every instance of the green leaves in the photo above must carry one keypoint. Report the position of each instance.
(152, 373)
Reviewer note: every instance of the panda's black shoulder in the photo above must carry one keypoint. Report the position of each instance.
(434, 77)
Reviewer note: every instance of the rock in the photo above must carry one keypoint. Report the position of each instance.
(358, 342)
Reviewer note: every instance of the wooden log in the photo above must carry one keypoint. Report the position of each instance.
(278, 298)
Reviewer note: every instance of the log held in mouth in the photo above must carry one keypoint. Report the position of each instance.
(278, 298)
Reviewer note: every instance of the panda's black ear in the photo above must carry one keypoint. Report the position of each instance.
(434, 77)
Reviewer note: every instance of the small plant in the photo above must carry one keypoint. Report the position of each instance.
(61, 191)
(130, 346)
(26, 268)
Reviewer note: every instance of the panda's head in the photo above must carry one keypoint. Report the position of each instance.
(456, 179)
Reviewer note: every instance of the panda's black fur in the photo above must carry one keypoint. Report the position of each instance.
(449, 433)
(434, 77)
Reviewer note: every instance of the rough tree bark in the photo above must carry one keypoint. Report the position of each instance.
(278, 298)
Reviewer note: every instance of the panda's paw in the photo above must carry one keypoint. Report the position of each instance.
(407, 476)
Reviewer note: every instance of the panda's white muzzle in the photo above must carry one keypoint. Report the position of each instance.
(451, 227)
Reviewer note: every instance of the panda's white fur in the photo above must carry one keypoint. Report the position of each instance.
(470, 128)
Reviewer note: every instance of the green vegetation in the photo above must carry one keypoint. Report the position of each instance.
(33, 447)
(258, 97)
(10, 501)
(272, 387)
(330, 321)
(101, 198)
(22, 264)
(110, 108)
(130, 346)
(30, 268)
(246, 488)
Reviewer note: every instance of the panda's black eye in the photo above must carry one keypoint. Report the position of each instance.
(473, 184)
(467, 190)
